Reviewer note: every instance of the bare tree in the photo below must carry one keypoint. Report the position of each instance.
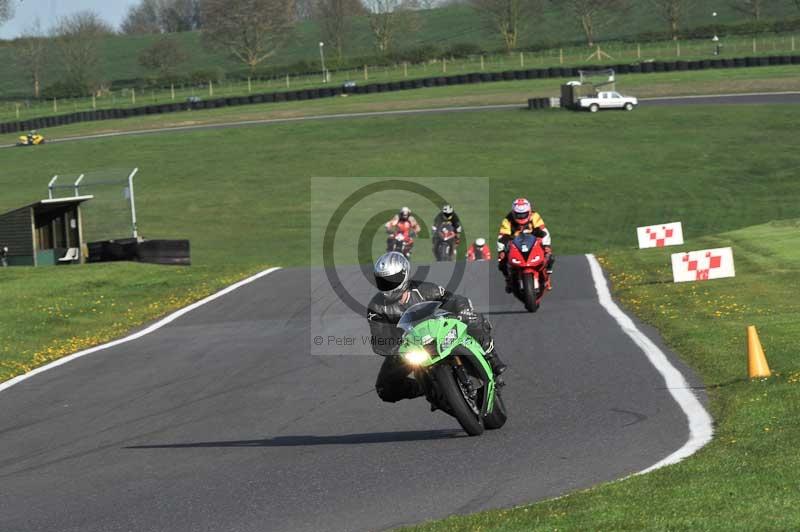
(673, 12)
(751, 8)
(142, 18)
(31, 54)
(251, 30)
(509, 17)
(163, 56)
(593, 15)
(334, 18)
(6, 10)
(78, 38)
(387, 18)
(162, 16)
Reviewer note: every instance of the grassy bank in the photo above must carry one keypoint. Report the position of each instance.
(748, 477)
(768, 79)
(241, 195)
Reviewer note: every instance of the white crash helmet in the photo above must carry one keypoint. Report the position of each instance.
(392, 275)
(480, 242)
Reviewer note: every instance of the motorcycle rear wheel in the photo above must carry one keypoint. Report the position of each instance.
(459, 409)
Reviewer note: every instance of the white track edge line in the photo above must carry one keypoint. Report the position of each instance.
(154, 327)
(700, 423)
(722, 95)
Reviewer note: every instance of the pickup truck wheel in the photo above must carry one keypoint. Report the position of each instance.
(629, 106)
(594, 108)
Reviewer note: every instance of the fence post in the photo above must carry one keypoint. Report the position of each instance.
(172, 91)
(210, 88)
(287, 81)
(638, 50)
(17, 110)
(755, 47)
(366, 73)
(405, 69)
(249, 85)
(678, 48)
(444, 64)
(793, 43)
(561, 56)
(522, 59)
(482, 62)
(55, 105)
(133, 96)
(94, 102)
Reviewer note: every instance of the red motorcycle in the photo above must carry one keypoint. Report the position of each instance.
(402, 240)
(445, 249)
(527, 266)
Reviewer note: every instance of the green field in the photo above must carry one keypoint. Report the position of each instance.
(242, 196)
(740, 80)
(439, 28)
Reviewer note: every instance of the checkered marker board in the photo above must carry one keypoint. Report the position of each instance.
(658, 236)
(702, 265)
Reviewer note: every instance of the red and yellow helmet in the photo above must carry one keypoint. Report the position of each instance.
(521, 209)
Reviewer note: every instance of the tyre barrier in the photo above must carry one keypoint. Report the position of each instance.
(538, 103)
(171, 252)
(436, 81)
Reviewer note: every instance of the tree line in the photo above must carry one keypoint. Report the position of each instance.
(254, 31)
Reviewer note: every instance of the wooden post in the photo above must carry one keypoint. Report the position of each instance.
(444, 64)
(172, 91)
(522, 60)
(210, 88)
(405, 69)
(287, 81)
(755, 47)
(17, 110)
(793, 43)
(133, 96)
(366, 73)
(678, 48)
(55, 105)
(482, 62)
(249, 85)
(638, 50)
(560, 56)
(94, 102)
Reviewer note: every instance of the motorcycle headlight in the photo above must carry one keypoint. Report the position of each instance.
(416, 357)
(449, 338)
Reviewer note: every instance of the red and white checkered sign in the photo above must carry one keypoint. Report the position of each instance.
(658, 236)
(702, 265)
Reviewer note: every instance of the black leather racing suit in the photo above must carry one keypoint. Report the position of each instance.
(393, 382)
(437, 223)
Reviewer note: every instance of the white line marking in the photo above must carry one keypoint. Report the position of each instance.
(154, 327)
(700, 422)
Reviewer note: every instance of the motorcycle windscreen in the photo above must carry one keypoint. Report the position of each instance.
(525, 243)
(418, 313)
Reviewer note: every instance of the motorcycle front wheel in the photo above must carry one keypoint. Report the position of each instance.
(529, 293)
(461, 406)
(497, 418)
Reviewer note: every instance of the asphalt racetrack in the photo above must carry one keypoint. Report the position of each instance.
(752, 98)
(224, 420)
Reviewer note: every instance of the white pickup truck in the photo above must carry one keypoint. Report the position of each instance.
(608, 100)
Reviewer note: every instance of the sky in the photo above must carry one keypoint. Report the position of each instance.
(48, 11)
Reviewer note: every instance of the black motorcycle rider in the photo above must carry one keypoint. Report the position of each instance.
(446, 215)
(397, 293)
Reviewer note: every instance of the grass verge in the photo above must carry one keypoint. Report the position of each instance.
(764, 79)
(748, 477)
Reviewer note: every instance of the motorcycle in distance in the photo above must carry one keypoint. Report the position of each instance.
(401, 239)
(527, 266)
(451, 368)
(31, 139)
(446, 243)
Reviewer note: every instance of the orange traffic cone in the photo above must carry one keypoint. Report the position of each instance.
(757, 366)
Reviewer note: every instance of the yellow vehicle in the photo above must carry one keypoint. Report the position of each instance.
(31, 139)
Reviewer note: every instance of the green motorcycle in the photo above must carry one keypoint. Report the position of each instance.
(451, 368)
